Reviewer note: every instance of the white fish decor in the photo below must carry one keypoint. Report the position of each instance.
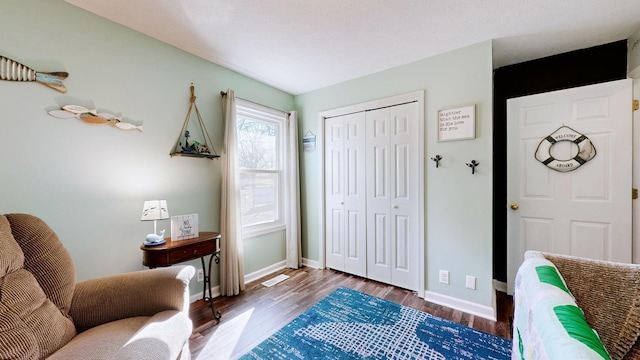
(153, 239)
(14, 71)
(92, 116)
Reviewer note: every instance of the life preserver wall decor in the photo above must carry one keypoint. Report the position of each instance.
(586, 150)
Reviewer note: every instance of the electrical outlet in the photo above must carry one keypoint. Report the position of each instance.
(444, 277)
(200, 275)
(471, 282)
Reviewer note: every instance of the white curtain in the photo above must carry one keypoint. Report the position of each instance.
(292, 192)
(231, 249)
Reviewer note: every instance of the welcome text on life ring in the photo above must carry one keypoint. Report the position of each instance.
(586, 150)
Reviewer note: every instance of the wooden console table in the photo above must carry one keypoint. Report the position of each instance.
(174, 252)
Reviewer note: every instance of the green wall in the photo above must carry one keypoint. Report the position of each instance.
(89, 182)
(458, 230)
(260, 251)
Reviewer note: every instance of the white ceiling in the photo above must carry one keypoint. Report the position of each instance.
(303, 45)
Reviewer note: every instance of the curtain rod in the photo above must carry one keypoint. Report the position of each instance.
(222, 93)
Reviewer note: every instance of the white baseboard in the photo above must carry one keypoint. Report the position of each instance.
(311, 263)
(215, 292)
(264, 272)
(486, 312)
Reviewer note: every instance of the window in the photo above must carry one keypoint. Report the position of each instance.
(260, 163)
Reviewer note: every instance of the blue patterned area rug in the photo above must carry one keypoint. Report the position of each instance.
(348, 324)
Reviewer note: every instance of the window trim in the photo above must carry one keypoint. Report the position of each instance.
(266, 114)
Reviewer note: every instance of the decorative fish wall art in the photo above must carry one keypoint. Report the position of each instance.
(92, 116)
(11, 70)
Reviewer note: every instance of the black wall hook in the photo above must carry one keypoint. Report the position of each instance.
(437, 159)
(473, 166)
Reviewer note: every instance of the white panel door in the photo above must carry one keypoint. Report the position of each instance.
(378, 196)
(334, 193)
(584, 212)
(345, 194)
(355, 197)
(392, 195)
(403, 183)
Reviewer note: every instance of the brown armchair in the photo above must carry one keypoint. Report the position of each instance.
(44, 313)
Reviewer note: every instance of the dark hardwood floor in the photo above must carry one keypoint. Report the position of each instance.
(258, 312)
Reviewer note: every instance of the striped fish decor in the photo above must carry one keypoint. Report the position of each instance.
(11, 70)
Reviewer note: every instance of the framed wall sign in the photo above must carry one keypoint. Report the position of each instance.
(184, 227)
(457, 123)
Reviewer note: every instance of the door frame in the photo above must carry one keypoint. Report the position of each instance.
(635, 176)
(416, 96)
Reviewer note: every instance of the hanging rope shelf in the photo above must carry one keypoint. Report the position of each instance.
(194, 148)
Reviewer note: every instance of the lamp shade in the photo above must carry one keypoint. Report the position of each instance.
(155, 210)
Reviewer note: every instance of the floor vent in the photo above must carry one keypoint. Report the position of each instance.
(275, 280)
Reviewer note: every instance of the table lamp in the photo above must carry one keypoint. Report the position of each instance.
(155, 210)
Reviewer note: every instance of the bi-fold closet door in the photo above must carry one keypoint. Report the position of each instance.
(371, 189)
(345, 203)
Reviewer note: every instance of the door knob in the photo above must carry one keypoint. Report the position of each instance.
(514, 206)
(395, 206)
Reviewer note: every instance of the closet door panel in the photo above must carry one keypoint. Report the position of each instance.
(334, 193)
(355, 197)
(378, 196)
(402, 244)
(336, 236)
(403, 141)
(401, 174)
(378, 262)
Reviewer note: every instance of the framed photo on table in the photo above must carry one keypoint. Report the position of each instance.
(184, 227)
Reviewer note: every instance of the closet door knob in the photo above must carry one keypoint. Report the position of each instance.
(395, 206)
